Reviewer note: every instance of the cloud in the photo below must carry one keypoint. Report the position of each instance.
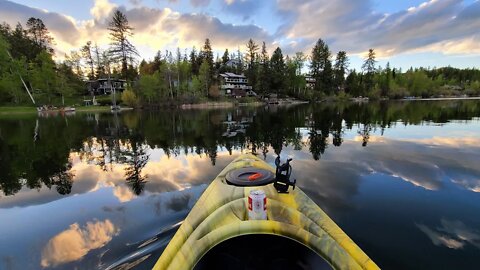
(75, 242)
(243, 8)
(448, 26)
(154, 28)
(354, 25)
(199, 3)
(439, 239)
(102, 9)
(61, 26)
(426, 163)
(453, 234)
(123, 193)
(135, 2)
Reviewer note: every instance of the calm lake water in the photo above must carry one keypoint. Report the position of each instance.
(104, 191)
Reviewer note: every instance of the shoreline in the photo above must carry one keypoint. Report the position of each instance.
(442, 98)
(5, 110)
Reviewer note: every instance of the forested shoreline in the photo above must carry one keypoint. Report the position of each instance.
(191, 75)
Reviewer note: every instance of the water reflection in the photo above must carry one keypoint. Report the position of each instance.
(452, 234)
(113, 140)
(75, 242)
(120, 184)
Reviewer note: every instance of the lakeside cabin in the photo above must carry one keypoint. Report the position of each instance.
(310, 82)
(102, 86)
(234, 85)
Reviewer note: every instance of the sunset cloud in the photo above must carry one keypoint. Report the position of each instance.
(448, 27)
(355, 26)
(453, 234)
(75, 242)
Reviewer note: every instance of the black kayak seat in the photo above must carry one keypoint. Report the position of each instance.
(249, 176)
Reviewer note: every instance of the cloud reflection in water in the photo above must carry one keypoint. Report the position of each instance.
(75, 242)
(453, 234)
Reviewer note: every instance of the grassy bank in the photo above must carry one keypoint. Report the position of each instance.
(19, 109)
(4, 110)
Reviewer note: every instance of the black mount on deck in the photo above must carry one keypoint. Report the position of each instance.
(282, 176)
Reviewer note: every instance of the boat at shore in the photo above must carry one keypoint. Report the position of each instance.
(52, 110)
(295, 233)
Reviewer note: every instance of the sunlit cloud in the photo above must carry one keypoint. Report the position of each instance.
(448, 141)
(123, 193)
(421, 162)
(355, 26)
(439, 239)
(75, 242)
(453, 234)
(447, 27)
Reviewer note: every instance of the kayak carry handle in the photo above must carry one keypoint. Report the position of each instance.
(282, 176)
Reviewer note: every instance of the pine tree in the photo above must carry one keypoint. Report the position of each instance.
(385, 88)
(277, 66)
(207, 55)
(225, 57)
(87, 55)
(38, 32)
(263, 83)
(239, 68)
(100, 72)
(321, 67)
(340, 69)
(368, 68)
(194, 61)
(120, 47)
(251, 58)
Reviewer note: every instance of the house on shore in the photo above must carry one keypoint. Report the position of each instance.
(309, 82)
(105, 86)
(234, 85)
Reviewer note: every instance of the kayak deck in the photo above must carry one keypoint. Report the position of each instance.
(221, 214)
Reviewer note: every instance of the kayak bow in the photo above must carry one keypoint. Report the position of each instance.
(221, 214)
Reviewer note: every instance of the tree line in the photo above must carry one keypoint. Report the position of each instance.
(126, 139)
(193, 74)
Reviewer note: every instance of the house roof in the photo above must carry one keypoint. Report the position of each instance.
(106, 79)
(231, 75)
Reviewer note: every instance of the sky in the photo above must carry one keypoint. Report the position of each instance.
(406, 33)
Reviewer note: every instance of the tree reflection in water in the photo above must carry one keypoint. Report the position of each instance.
(107, 140)
(136, 158)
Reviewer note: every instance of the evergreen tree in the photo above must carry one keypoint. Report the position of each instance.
(38, 32)
(120, 47)
(225, 57)
(277, 66)
(100, 71)
(250, 58)
(207, 55)
(340, 69)
(263, 83)
(239, 68)
(321, 67)
(353, 84)
(194, 61)
(386, 81)
(205, 77)
(368, 68)
(87, 55)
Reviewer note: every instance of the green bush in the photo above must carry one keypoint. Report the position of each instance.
(129, 98)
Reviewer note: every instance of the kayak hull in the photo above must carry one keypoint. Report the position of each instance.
(221, 213)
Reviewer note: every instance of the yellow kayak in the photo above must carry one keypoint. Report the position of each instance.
(221, 215)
